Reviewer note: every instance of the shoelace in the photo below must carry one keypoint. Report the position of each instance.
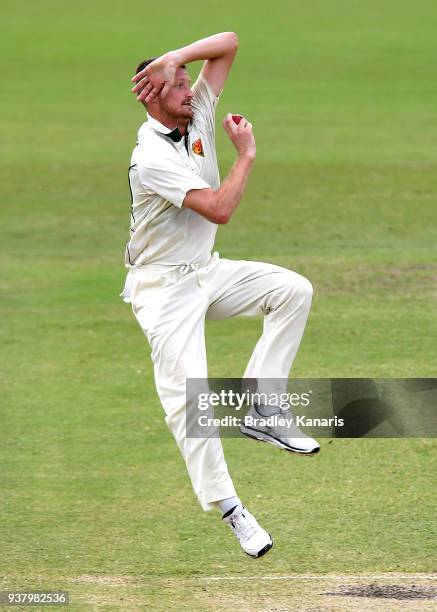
(245, 526)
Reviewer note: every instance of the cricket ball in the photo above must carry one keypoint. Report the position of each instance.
(237, 118)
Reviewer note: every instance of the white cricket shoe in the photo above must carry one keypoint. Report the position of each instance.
(278, 429)
(254, 540)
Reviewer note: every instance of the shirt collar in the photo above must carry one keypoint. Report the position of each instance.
(174, 135)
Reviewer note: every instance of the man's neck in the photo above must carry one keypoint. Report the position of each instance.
(171, 123)
(183, 127)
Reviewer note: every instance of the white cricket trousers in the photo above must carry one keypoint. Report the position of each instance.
(171, 305)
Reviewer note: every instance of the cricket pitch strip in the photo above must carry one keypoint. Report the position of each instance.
(250, 593)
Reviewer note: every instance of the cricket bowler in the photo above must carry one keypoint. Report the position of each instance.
(175, 281)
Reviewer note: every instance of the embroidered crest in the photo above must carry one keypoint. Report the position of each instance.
(198, 148)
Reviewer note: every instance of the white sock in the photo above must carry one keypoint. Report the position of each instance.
(228, 504)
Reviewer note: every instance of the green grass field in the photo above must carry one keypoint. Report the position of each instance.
(94, 496)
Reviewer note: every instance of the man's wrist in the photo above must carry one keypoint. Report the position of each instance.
(175, 58)
(248, 156)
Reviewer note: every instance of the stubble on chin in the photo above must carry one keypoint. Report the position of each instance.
(188, 111)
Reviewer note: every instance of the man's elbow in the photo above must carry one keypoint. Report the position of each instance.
(232, 41)
(218, 211)
(221, 217)
(209, 204)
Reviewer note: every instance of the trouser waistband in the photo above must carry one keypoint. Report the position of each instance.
(184, 268)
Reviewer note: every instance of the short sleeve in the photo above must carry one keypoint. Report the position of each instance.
(204, 102)
(171, 182)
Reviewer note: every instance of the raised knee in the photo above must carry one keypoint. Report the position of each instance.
(294, 291)
(301, 289)
(305, 288)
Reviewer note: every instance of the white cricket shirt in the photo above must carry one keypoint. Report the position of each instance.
(160, 174)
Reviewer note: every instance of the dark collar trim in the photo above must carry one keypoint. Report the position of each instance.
(175, 135)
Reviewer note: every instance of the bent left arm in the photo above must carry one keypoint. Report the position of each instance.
(218, 51)
(223, 48)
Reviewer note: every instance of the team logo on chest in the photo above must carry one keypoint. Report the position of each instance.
(198, 148)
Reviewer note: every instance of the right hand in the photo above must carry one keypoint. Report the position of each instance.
(241, 136)
(156, 79)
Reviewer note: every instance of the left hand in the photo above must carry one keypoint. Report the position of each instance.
(156, 78)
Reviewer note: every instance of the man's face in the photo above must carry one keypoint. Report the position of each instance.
(177, 103)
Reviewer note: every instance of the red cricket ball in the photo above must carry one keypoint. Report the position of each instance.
(237, 118)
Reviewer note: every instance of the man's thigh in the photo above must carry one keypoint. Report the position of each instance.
(172, 317)
(249, 288)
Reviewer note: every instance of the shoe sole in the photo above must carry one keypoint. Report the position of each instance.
(263, 551)
(263, 437)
